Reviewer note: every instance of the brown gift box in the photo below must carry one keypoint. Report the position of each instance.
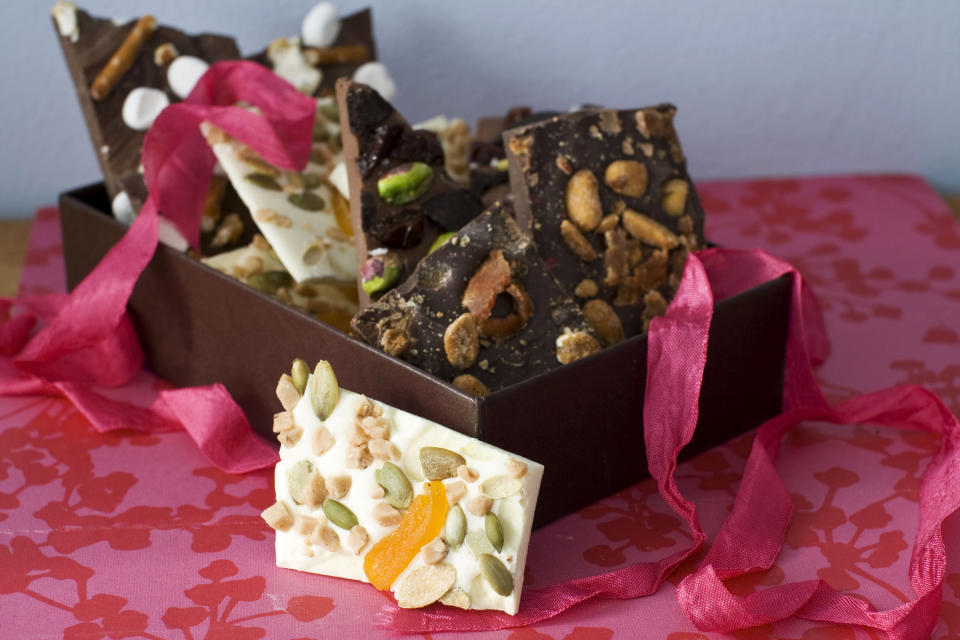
(583, 421)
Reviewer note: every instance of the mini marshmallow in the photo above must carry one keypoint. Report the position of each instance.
(171, 236)
(183, 74)
(288, 63)
(142, 106)
(65, 13)
(321, 26)
(338, 178)
(123, 208)
(375, 74)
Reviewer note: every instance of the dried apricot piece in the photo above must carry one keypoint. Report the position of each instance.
(422, 522)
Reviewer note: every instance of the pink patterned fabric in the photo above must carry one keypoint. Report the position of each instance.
(137, 536)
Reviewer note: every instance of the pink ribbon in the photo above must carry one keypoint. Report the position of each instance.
(752, 536)
(89, 341)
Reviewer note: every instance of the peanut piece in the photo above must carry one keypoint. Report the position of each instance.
(278, 516)
(649, 231)
(583, 200)
(322, 441)
(287, 392)
(325, 537)
(383, 450)
(626, 177)
(358, 458)
(479, 505)
(386, 515)
(675, 196)
(305, 525)
(604, 320)
(586, 289)
(576, 242)
(461, 342)
(467, 474)
(434, 551)
(357, 539)
(455, 491)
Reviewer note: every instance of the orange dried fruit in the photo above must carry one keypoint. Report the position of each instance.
(422, 522)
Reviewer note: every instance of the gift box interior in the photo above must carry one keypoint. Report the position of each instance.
(583, 421)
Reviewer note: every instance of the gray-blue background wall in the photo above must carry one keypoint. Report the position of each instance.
(763, 88)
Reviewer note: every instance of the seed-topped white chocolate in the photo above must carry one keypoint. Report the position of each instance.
(433, 515)
(304, 218)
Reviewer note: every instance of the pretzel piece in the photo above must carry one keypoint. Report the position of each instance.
(121, 61)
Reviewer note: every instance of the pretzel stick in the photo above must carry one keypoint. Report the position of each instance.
(318, 56)
(121, 61)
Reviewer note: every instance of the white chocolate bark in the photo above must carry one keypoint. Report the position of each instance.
(295, 211)
(487, 469)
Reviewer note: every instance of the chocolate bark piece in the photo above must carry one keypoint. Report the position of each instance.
(353, 47)
(608, 201)
(96, 40)
(481, 305)
(401, 197)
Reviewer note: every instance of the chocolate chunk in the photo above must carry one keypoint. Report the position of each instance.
(481, 304)
(116, 145)
(401, 196)
(607, 198)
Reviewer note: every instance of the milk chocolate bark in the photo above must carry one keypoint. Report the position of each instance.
(608, 201)
(88, 51)
(353, 47)
(401, 197)
(480, 311)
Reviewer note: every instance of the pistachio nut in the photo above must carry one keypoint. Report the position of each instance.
(339, 514)
(297, 477)
(455, 528)
(398, 491)
(441, 240)
(379, 273)
(496, 574)
(405, 183)
(491, 524)
(439, 463)
(324, 390)
(300, 373)
(270, 281)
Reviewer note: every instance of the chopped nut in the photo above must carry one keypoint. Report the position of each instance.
(282, 421)
(394, 342)
(573, 345)
(339, 485)
(383, 450)
(365, 408)
(627, 177)
(615, 264)
(165, 54)
(470, 384)
(586, 289)
(467, 474)
(357, 539)
(609, 222)
(314, 491)
(583, 200)
(377, 492)
(290, 437)
(386, 515)
(278, 516)
(322, 441)
(287, 392)
(251, 265)
(563, 163)
(356, 437)
(325, 537)
(375, 427)
(228, 232)
(577, 243)
(435, 551)
(455, 491)
(272, 217)
(358, 458)
(604, 321)
(515, 468)
(479, 505)
(305, 525)
(654, 305)
(461, 342)
(675, 196)
(649, 231)
(259, 242)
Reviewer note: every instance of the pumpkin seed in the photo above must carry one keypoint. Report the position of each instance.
(497, 575)
(397, 488)
(270, 281)
(308, 201)
(499, 487)
(263, 181)
(339, 514)
(297, 477)
(455, 528)
(324, 390)
(311, 180)
(300, 373)
(439, 463)
(425, 585)
(478, 543)
(491, 524)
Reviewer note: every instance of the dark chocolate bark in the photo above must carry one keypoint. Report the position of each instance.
(608, 201)
(481, 305)
(356, 30)
(379, 144)
(117, 146)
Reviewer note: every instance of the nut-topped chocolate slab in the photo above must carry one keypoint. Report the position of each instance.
(124, 75)
(607, 198)
(401, 197)
(480, 311)
(314, 69)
